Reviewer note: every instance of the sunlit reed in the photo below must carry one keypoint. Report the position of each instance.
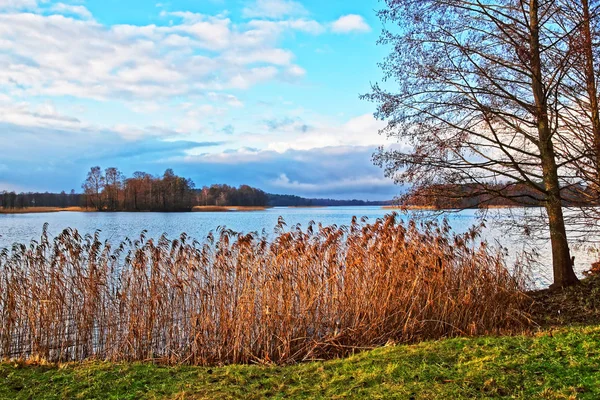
(242, 298)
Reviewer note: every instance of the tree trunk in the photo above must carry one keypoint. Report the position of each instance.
(592, 89)
(562, 265)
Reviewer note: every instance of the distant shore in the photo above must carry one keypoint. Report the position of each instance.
(409, 208)
(39, 210)
(228, 208)
(434, 208)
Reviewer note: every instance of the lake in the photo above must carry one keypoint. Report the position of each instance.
(115, 227)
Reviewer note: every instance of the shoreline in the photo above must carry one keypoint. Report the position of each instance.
(43, 210)
(434, 208)
(228, 208)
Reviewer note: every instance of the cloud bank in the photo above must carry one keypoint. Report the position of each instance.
(180, 91)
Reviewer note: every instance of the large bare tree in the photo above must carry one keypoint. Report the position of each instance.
(578, 95)
(473, 90)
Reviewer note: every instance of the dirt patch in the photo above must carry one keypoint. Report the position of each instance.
(574, 305)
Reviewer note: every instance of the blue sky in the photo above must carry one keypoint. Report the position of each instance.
(259, 92)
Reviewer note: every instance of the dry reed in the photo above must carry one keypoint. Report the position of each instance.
(312, 294)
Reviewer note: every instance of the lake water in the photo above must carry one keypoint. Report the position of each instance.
(117, 226)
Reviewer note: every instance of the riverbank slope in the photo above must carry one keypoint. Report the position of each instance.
(551, 364)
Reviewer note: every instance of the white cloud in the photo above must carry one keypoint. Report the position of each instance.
(295, 71)
(228, 99)
(354, 183)
(11, 187)
(144, 107)
(338, 172)
(45, 115)
(274, 9)
(271, 56)
(70, 9)
(57, 55)
(12, 5)
(359, 131)
(350, 23)
(267, 30)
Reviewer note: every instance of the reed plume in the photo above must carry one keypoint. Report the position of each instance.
(307, 294)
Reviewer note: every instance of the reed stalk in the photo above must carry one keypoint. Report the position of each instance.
(246, 298)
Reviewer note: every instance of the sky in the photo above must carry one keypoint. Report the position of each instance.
(258, 92)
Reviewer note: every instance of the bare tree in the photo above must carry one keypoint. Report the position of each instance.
(580, 112)
(93, 187)
(476, 102)
(113, 187)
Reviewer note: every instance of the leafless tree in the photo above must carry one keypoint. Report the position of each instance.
(113, 187)
(473, 91)
(93, 187)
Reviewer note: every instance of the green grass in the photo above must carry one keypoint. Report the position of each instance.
(559, 364)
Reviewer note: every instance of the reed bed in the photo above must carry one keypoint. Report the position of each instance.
(246, 298)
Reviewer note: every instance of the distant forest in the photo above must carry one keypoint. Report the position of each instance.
(284, 200)
(111, 190)
(475, 196)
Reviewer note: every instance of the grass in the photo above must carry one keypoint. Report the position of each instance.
(227, 208)
(557, 364)
(35, 210)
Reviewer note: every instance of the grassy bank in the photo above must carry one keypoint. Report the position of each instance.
(558, 364)
(36, 210)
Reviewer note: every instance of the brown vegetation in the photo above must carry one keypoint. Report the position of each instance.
(312, 294)
(112, 191)
(579, 304)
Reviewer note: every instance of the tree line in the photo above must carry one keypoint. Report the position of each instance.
(11, 200)
(286, 200)
(469, 196)
(111, 190)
